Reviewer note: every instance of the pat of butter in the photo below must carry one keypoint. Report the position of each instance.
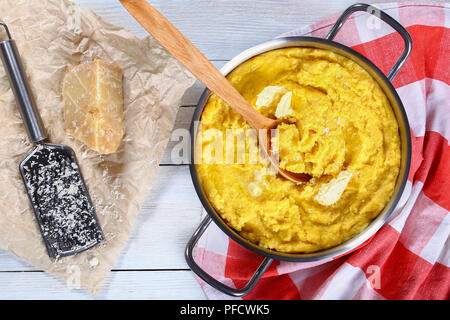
(268, 95)
(93, 109)
(284, 106)
(331, 192)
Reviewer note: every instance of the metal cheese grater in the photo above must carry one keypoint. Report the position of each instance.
(51, 174)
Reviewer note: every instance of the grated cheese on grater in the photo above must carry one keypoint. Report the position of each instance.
(60, 199)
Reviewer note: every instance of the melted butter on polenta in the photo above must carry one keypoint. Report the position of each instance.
(338, 126)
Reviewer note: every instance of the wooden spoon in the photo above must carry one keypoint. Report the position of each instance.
(185, 52)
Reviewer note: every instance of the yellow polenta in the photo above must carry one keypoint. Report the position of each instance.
(340, 125)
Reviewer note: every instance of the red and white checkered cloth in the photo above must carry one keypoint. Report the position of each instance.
(409, 258)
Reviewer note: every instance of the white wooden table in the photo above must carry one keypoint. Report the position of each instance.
(152, 265)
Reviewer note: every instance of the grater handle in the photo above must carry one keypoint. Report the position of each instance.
(14, 69)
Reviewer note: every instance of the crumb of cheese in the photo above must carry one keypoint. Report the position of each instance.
(255, 189)
(93, 262)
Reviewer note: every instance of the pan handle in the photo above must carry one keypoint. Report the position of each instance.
(210, 280)
(386, 18)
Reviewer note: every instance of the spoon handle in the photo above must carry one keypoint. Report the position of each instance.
(185, 52)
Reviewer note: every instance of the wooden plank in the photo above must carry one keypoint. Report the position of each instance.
(176, 285)
(165, 223)
(223, 28)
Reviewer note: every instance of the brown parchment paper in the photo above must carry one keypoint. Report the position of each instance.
(51, 35)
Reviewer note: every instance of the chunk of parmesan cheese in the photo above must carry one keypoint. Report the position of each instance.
(331, 192)
(93, 99)
(284, 106)
(268, 95)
